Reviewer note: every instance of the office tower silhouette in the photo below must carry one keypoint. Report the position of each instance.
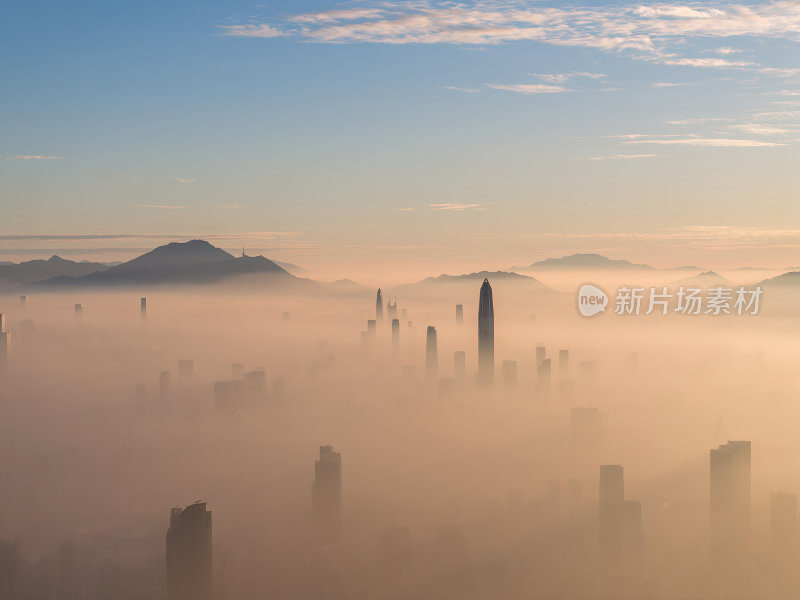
(186, 367)
(9, 570)
(5, 341)
(783, 533)
(563, 362)
(543, 375)
(391, 309)
(143, 306)
(371, 329)
(379, 306)
(189, 557)
(510, 373)
(23, 300)
(730, 498)
(431, 354)
(287, 317)
(459, 313)
(460, 364)
(486, 335)
(395, 336)
(619, 525)
(404, 314)
(163, 387)
(237, 371)
(541, 354)
(79, 309)
(326, 496)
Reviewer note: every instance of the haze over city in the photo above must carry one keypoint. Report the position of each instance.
(316, 300)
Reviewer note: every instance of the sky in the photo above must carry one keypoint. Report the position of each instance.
(414, 137)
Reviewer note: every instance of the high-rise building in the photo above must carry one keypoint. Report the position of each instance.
(371, 329)
(783, 538)
(189, 558)
(237, 371)
(563, 362)
(543, 374)
(79, 309)
(404, 313)
(326, 496)
(9, 570)
(379, 306)
(391, 309)
(143, 306)
(619, 524)
(459, 313)
(431, 354)
(460, 364)
(395, 336)
(23, 300)
(730, 498)
(486, 335)
(541, 354)
(5, 341)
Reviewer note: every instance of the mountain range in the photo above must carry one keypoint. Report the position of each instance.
(39, 270)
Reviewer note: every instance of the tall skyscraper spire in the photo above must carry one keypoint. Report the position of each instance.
(379, 306)
(486, 335)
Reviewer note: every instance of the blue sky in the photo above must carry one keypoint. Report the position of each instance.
(397, 133)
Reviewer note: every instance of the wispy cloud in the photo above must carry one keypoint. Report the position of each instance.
(253, 30)
(162, 206)
(565, 77)
(705, 142)
(622, 156)
(451, 206)
(757, 129)
(183, 179)
(669, 84)
(529, 88)
(461, 89)
(655, 33)
(32, 157)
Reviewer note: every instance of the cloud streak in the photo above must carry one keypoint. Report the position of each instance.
(654, 32)
(32, 157)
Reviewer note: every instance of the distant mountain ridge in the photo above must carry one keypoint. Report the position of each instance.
(33, 271)
(193, 262)
(470, 279)
(583, 261)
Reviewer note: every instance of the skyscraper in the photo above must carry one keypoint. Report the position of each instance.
(619, 525)
(5, 340)
(431, 354)
(379, 306)
(143, 306)
(391, 309)
(486, 335)
(189, 559)
(730, 498)
(459, 313)
(395, 336)
(326, 496)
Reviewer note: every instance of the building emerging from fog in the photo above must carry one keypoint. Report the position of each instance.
(619, 525)
(431, 354)
(5, 340)
(486, 335)
(189, 559)
(730, 498)
(326, 496)
(379, 306)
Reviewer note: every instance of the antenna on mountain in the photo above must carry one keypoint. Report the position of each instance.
(243, 254)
